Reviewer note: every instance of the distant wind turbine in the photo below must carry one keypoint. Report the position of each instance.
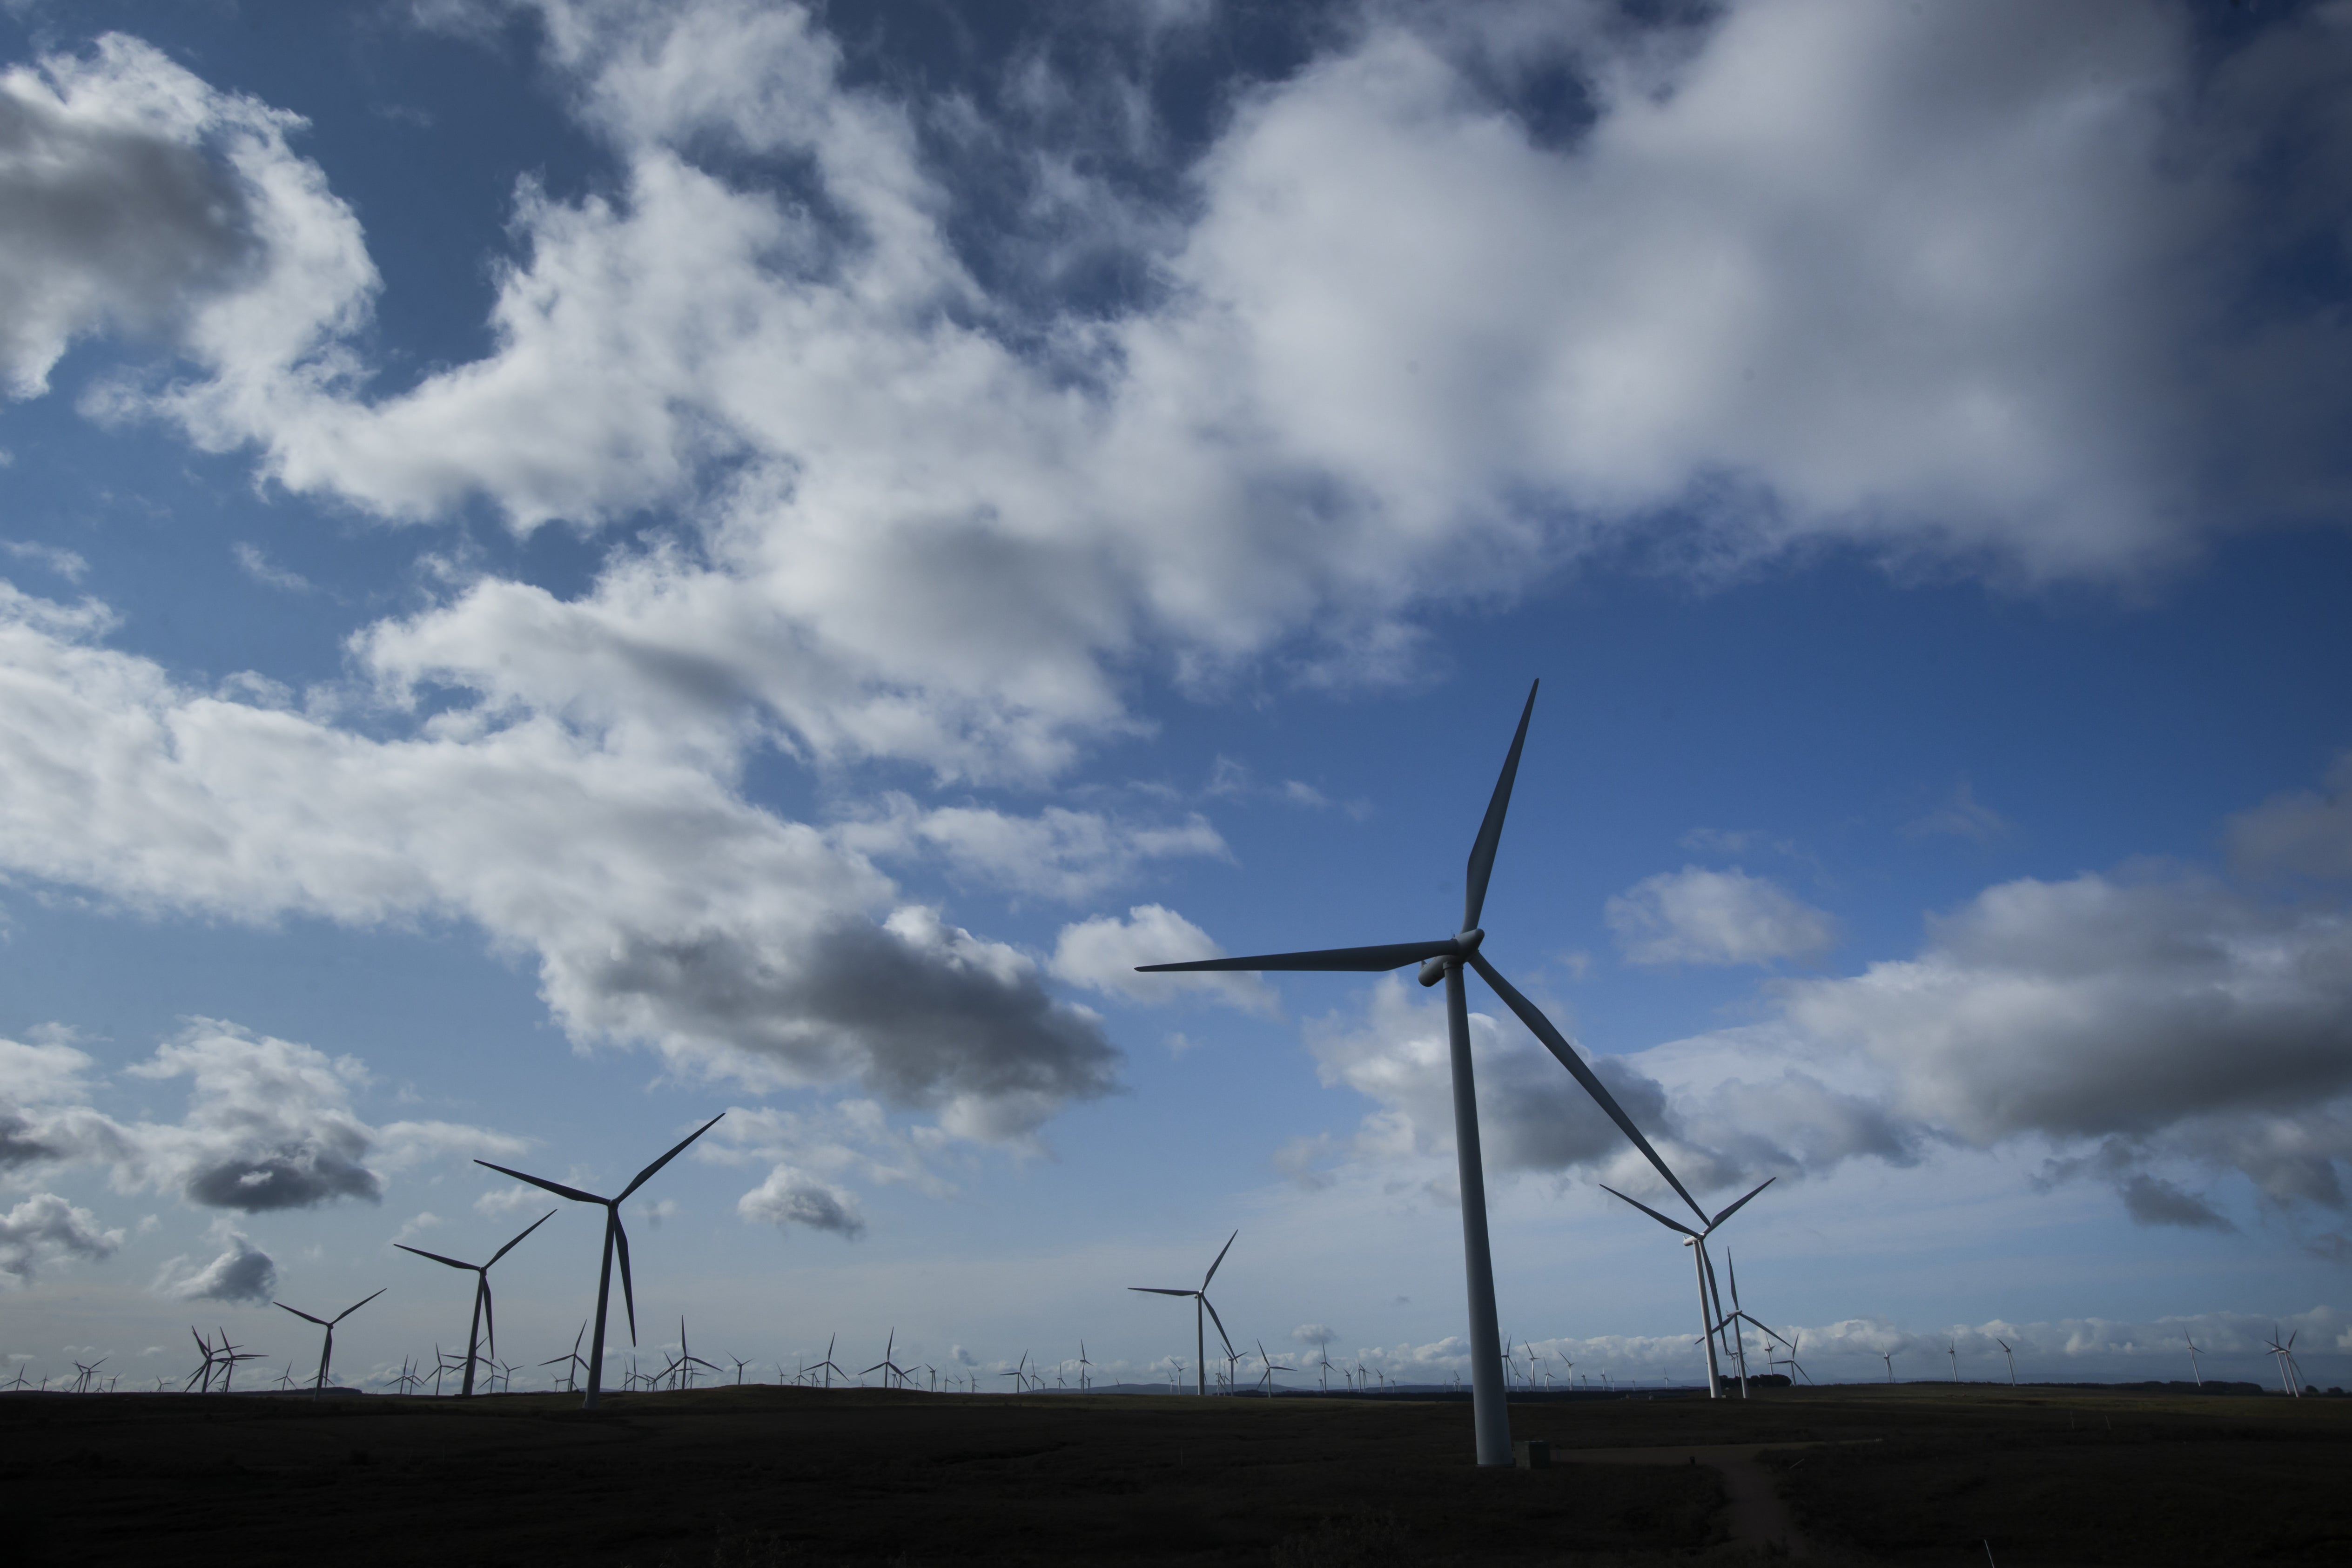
(328, 1352)
(1888, 1356)
(1954, 1350)
(1710, 1305)
(889, 1369)
(482, 1309)
(2193, 1369)
(1443, 960)
(1271, 1368)
(2012, 1360)
(616, 1239)
(2291, 1385)
(827, 1366)
(1200, 1300)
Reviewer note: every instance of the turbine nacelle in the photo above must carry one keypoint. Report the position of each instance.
(1433, 970)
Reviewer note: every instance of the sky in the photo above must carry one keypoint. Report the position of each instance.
(570, 566)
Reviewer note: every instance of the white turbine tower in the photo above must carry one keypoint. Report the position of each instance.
(1710, 1305)
(2289, 1374)
(2194, 1370)
(1443, 960)
(2012, 1361)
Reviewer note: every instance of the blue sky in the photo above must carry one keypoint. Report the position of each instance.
(576, 565)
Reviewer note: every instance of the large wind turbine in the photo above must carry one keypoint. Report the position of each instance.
(1443, 959)
(482, 1309)
(327, 1354)
(616, 1239)
(1710, 1304)
(1200, 1303)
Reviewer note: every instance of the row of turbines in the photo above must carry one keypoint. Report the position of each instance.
(1442, 961)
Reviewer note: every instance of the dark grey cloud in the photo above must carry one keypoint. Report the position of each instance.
(241, 1273)
(45, 1229)
(300, 1175)
(21, 1143)
(922, 1015)
(113, 219)
(2152, 1200)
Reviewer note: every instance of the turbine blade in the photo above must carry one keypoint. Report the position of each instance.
(510, 1245)
(1669, 1224)
(628, 1291)
(1162, 1290)
(1490, 832)
(303, 1315)
(1731, 1265)
(1354, 960)
(489, 1313)
(1220, 1322)
(646, 1175)
(357, 1305)
(558, 1188)
(1736, 1208)
(435, 1256)
(1221, 1258)
(1541, 1028)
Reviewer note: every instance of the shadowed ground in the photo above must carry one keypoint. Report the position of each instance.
(752, 1477)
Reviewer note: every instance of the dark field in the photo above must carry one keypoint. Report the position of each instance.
(754, 1477)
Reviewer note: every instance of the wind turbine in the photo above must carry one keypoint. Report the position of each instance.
(1443, 959)
(616, 1239)
(482, 1311)
(740, 1362)
(1200, 1297)
(686, 1360)
(2193, 1369)
(1710, 1305)
(827, 1366)
(1267, 1380)
(328, 1354)
(1019, 1374)
(1954, 1350)
(1888, 1357)
(205, 1372)
(570, 1363)
(890, 1369)
(2285, 1354)
(1085, 1367)
(2012, 1358)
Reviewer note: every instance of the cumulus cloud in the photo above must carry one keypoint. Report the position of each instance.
(1102, 954)
(2301, 834)
(1403, 343)
(116, 189)
(242, 1272)
(44, 1230)
(731, 939)
(269, 1123)
(791, 1196)
(2178, 1016)
(1698, 916)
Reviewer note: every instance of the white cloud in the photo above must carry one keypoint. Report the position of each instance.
(732, 940)
(44, 1230)
(1058, 853)
(791, 1196)
(1102, 954)
(1698, 916)
(67, 563)
(255, 564)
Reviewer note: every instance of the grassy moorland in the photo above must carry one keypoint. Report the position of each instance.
(756, 1476)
